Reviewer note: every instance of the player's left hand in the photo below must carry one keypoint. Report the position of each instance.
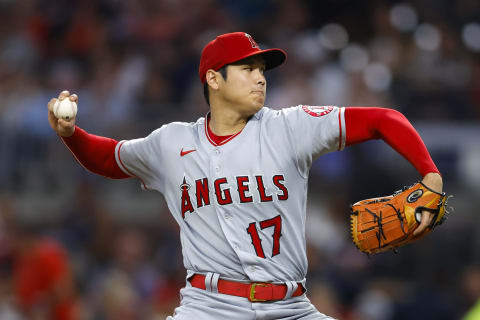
(433, 181)
(390, 222)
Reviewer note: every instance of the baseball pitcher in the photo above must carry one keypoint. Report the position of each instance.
(236, 182)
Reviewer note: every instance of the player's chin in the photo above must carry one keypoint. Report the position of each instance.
(250, 109)
(258, 101)
(256, 107)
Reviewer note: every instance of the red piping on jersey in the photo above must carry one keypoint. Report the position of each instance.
(126, 169)
(213, 138)
(340, 127)
(366, 123)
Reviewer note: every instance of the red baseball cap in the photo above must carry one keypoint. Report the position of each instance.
(231, 47)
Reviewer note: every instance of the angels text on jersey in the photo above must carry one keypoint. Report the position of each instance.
(222, 193)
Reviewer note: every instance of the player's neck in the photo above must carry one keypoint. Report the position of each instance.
(225, 121)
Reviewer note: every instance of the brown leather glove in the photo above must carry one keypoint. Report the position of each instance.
(384, 223)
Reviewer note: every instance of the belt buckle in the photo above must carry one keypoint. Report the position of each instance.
(252, 291)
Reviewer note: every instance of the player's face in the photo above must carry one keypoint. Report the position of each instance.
(245, 87)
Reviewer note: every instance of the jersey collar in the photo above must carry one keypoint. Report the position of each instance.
(211, 139)
(230, 138)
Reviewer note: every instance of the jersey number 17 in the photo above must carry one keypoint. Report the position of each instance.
(276, 223)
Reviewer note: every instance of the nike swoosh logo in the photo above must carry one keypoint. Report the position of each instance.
(182, 153)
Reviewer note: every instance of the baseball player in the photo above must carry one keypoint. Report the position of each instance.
(236, 181)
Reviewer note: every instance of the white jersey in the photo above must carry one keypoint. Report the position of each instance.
(241, 205)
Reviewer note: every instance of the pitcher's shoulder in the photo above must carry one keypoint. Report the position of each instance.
(179, 126)
(175, 130)
(275, 113)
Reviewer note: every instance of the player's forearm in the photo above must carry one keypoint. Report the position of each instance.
(391, 126)
(95, 153)
(434, 181)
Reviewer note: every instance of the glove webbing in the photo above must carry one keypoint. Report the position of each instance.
(378, 219)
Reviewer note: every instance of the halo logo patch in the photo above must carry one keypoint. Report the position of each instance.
(317, 111)
(414, 196)
(254, 44)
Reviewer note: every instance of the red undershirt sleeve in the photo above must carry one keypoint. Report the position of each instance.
(95, 153)
(366, 123)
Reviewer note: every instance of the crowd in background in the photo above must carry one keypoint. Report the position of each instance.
(107, 250)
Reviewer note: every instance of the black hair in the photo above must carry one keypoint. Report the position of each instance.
(206, 94)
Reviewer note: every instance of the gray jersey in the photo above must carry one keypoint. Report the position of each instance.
(241, 204)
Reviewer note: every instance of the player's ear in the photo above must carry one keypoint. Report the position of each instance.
(213, 79)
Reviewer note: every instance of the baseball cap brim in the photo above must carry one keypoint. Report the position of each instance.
(273, 57)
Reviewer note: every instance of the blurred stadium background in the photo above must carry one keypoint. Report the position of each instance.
(75, 243)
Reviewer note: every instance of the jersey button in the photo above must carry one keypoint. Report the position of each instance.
(217, 152)
(227, 215)
(217, 168)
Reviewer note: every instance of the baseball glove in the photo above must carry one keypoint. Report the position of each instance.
(384, 223)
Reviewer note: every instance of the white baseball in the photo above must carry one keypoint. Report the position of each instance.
(65, 109)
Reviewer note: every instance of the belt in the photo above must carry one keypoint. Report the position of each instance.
(254, 291)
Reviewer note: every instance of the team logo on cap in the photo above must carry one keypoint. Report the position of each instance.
(254, 44)
(317, 111)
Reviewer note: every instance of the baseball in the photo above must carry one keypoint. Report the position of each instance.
(65, 109)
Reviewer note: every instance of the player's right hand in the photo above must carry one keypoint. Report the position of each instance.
(64, 128)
